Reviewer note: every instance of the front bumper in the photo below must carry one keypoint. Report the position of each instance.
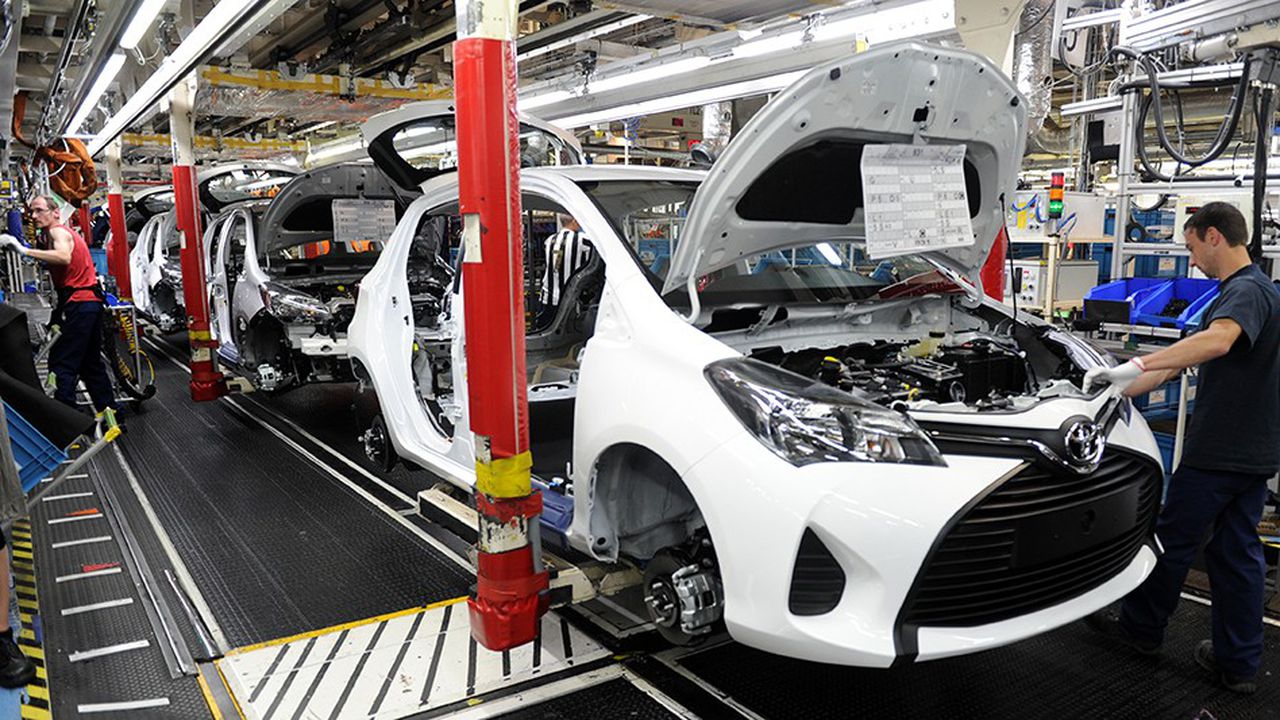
(880, 524)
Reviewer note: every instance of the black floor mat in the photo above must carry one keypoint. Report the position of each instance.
(612, 700)
(276, 545)
(1068, 673)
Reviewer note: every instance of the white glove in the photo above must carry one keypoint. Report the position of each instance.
(1119, 377)
(9, 242)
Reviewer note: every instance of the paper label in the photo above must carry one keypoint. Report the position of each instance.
(914, 199)
(471, 238)
(363, 221)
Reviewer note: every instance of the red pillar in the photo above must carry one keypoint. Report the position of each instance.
(511, 584)
(118, 248)
(82, 217)
(207, 382)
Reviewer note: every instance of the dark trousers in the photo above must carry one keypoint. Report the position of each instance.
(77, 353)
(1230, 504)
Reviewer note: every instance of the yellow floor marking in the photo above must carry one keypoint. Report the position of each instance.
(27, 604)
(234, 700)
(344, 626)
(30, 712)
(42, 673)
(21, 554)
(26, 618)
(27, 634)
(24, 566)
(32, 652)
(36, 691)
(208, 696)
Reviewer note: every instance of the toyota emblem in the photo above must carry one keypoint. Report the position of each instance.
(1084, 442)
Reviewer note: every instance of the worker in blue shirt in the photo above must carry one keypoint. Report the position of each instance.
(1232, 449)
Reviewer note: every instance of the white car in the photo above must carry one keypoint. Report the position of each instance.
(155, 267)
(847, 461)
(283, 273)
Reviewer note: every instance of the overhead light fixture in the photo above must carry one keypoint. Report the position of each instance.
(584, 35)
(213, 29)
(108, 73)
(140, 23)
(694, 98)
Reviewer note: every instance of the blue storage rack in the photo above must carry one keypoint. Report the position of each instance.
(1198, 292)
(1118, 301)
(36, 456)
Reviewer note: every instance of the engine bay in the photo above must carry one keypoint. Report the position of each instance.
(988, 363)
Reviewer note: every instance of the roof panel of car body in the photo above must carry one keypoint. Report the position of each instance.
(805, 148)
(206, 176)
(430, 124)
(324, 184)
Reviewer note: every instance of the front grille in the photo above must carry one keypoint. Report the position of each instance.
(817, 581)
(1029, 543)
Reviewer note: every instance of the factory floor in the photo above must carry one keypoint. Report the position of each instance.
(241, 558)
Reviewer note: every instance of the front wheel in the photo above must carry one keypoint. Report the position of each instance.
(377, 445)
(683, 597)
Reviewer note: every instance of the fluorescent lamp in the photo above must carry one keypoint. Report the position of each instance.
(140, 22)
(635, 77)
(108, 73)
(334, 149)
(585, 35)
(182, 61)
(830, 254)
(694, 98)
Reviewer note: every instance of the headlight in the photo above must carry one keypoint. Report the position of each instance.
(287, 304)
(803, 421)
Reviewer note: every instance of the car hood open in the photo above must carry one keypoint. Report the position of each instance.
(792, 176)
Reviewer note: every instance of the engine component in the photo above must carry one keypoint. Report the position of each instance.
(986, 370)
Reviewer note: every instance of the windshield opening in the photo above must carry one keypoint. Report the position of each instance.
(649, 216)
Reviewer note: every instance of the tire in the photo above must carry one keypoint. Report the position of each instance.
(377, 445)
(127, 379)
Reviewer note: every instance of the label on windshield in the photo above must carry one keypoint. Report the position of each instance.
(914, 199)
(362, 223)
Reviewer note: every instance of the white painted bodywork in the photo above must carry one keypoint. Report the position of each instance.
(641, 382)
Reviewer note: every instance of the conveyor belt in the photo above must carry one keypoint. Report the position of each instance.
(324, 410)
(276, 544)
(1067, 673)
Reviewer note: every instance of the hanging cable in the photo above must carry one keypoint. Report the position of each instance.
(1263, 109)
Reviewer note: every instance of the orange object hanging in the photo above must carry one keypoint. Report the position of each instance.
(71, 172)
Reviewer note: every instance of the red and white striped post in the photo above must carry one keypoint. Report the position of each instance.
(511, 585)
(118, 248)
(207, 382)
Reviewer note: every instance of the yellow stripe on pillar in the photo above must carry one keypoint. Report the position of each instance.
(505, 477)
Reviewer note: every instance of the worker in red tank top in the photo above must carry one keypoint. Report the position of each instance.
(77, 354)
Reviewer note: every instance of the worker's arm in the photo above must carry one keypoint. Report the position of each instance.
(1141, 374)
(1212, 342)
(61, 252)
(1149, 381)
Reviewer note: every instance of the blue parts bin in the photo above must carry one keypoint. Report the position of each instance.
(99, 256)
(1144, 301)
(13, 223)
(1118, 301)
(35, 455)
(1191, 296)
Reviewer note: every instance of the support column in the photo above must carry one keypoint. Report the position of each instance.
(207, 383)
(118, 245)
(511, 584)
(82, 219)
